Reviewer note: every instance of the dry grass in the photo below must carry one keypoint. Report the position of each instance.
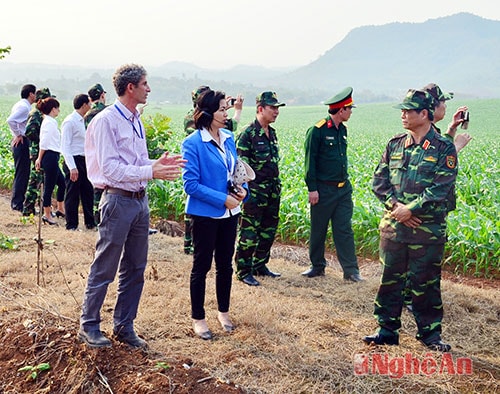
(294, 335)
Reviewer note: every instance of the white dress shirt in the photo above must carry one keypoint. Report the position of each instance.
(115, 150)
(50, 137)
(72, 138)
(19, 117)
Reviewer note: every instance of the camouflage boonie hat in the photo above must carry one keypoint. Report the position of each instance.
(196, 93)
(417, 99)
(95, 91)
(436, 92)
(268, 98)
(40, 94)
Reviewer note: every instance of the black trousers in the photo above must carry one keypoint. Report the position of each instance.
(22, 164)
(80, 190)
(52, 176)
(212, 238)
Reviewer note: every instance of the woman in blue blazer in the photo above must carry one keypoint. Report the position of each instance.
(214, 205)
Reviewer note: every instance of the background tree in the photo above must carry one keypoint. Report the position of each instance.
(4, 51)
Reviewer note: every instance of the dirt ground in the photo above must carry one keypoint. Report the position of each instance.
(294, 335)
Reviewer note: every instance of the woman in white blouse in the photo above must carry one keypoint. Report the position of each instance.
(48, 159)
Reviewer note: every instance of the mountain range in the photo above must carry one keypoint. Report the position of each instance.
(459, 52)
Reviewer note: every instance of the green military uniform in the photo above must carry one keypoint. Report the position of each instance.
(93, 111)
(326, 171)
(33, 134)
(438, 95)
(421, 177)
(260, 213)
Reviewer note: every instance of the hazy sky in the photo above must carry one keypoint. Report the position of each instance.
(211, 34)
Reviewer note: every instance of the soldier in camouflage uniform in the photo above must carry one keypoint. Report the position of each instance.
(231, 124)
(97, 96)
(460, 141)
(413, 180)
(33, 134)
(258, 146)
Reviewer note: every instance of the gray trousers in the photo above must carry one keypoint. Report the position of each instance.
(122, 246)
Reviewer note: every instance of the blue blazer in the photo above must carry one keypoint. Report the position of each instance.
(205, 174)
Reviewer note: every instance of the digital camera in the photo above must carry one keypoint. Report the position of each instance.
(465, 116)
(232, 187)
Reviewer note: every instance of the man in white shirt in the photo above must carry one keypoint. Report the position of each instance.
(78, 186)
(20, 145)
(118, 162)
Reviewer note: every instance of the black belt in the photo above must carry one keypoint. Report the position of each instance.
(336, 184)
(125, 193)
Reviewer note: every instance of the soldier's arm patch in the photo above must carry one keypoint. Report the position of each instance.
(451, 161)
(320, 123)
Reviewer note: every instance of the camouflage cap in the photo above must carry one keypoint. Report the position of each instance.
(268, 98)
(341, 100)
(196, 92)
(43, 93)
(417, 99)
(95, 91)
(436, 92)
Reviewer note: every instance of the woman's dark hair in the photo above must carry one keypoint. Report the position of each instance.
(206, 105)
(47, 104)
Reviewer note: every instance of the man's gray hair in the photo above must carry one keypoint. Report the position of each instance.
(128, 73)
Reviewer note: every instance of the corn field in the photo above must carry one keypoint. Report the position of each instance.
(473, 228)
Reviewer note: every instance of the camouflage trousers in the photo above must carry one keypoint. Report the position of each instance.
(420, 265)
(97, 199)
(32, 197)
(258, 225)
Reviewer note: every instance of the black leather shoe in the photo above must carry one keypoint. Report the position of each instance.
(378, 339)
(266, 272)
(438, 345)
(313, 272)
(353, 278)
(130, 338)
(250, 280)
(94, 338)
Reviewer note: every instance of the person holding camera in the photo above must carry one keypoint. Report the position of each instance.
(213, 204)
(460, 118)
(258, 146)
(231, 124)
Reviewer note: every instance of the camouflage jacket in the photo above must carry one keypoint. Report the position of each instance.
(261, 153)
(325, 153)
(33, 132)
(420, 176)
(92, 112)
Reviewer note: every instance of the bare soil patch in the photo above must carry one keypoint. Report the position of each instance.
(294, 334)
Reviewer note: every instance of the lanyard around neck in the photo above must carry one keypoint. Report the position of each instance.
(225, 152)
(131, 122)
